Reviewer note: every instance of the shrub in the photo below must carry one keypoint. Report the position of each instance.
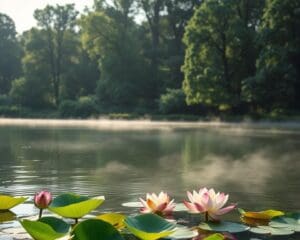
(83, 108)
(172, 102)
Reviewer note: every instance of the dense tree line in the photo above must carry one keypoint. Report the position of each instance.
(154, 56)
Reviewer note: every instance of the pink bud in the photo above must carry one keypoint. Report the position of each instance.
(42, 199)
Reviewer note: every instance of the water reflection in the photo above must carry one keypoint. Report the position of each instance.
(260, 169)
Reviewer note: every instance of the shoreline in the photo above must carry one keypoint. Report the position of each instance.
(112, 124)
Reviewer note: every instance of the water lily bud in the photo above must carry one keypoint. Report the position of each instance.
(42, 199)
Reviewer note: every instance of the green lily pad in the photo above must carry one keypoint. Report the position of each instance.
(216, 236)
(8, 202)
(224, 227)
(182, 232)
(291, 221)
(271, 230)
(149, 226)
(74, 206)
(92, 229)
(47, 228)
(7, 216)
(115, 219)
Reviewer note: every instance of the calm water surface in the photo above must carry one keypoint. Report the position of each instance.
(259, 168)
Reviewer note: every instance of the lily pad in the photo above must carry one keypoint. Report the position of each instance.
(182, 232)
(271, 230)
(8, 202)
(47, 228)
(254, 222)
(74, 206)
(115, 219)
(7, 216)
(224, 227)
(92, 229)
(149, 226)
(216, 236)
(290, 221)
(264, 215)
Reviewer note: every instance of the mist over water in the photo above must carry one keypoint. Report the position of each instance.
(259, 167)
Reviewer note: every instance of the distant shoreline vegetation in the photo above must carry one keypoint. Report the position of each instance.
(15, 112)
(185, 60)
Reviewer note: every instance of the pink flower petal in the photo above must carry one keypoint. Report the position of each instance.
(200, 208)
(191, 207)
(161, 207)
(226, 209)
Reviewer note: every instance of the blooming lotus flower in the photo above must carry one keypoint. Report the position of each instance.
(42, 200)
(208, 202)
(158, 204)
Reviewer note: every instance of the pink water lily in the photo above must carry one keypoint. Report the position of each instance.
(42, 200)
(158, 204)
(209, 202)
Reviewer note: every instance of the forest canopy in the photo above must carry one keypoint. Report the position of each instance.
(154, 56)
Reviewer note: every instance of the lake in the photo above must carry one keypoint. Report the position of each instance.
(258, 165)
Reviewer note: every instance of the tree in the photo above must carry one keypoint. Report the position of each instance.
(110, 35)
(33, 89)
(179, 12)
(10, 65)
(56, 21)
(276, 83)
(153, 10)
(216, 38)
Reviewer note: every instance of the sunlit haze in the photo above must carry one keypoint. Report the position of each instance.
(21, 11)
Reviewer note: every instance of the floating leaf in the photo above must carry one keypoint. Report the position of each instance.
(8, 202)
(74, 206)
(115, 219)
(253, 222)
(149, 226)
(7, 216)
(216, 236)
(223, 227)
(92, 229)
(47, 228)
(290, 221)
(271, 230)
(182, 232)
(264, 215)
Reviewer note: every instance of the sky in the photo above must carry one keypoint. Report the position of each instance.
(21, 11)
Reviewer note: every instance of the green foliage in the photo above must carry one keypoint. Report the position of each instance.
(229, 57)
(149, 226)
(8, 202)
(10, 53)
(110, 35)
(276, 83)
(95, 229)
(83, 108)
(22, 93)
(172, 102)
(74, 206)
(47, 228)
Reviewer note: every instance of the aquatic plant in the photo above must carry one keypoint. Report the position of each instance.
(209, 202)
(42, 200)
(159, 204)
(149, 225)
